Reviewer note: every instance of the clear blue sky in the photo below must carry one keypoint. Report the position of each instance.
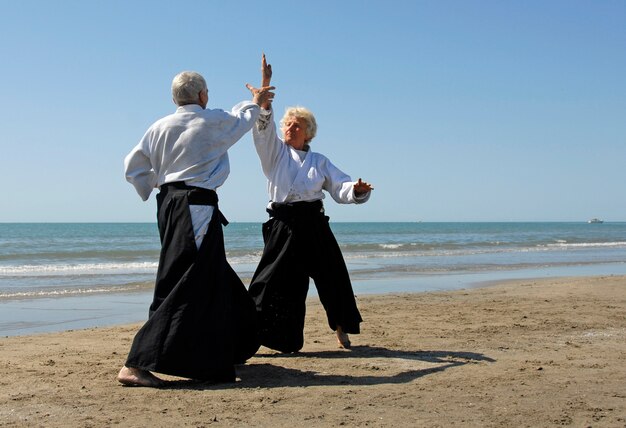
(454, 110)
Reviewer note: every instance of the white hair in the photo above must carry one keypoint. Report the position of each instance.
(186, 88)
(304, 114)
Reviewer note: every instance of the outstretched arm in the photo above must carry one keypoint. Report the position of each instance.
(340, 186)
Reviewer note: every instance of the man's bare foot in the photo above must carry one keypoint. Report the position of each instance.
(342, 338)
(131, 376)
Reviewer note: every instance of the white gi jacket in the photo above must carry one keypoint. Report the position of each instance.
(296, 175)
(189, 145)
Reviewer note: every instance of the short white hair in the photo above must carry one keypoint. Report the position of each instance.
(186, 88)
(304, 114)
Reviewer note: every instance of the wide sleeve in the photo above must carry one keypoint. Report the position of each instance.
(242, 118)
(139, 172)
(268, 145)
(340, 186)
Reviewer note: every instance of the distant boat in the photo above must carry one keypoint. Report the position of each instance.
(595, 220)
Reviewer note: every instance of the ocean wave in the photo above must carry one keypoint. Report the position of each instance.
(26, 254)
(565, 244)
(453, 248)
(391, 246)
(74, 292)
(241, 258)
(77, 269)
(402, 251)
(373, 272)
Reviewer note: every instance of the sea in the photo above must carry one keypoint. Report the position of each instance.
(63, 276)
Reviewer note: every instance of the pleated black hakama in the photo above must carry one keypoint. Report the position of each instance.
(299, 245)
(202, 320)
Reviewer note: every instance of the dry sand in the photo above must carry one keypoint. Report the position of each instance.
(534, 353)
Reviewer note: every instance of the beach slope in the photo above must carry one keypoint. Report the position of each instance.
(548, 352)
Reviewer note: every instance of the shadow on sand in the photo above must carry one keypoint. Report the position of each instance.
(267, 375)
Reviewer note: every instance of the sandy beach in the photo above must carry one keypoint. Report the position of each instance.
(548, 352)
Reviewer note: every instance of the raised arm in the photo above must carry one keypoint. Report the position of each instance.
(262, 96)
(266, 72)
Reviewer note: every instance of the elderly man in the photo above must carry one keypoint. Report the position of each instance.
(201, 320)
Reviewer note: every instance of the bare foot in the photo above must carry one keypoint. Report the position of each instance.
(342, 338)
(131, 376)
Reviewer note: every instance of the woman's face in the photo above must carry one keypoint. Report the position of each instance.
(294, 132)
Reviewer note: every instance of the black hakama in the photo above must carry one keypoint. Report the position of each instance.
(299, 245)
(202, 320)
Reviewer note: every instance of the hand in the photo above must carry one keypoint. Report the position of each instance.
(361, 188)
(262, 96)
(266, 72)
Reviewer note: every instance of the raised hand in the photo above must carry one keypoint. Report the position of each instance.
(266, 72)
(262, 96)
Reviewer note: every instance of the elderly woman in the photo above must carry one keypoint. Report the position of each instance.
(299, 243)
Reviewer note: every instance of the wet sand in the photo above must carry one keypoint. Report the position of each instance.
(549, 352)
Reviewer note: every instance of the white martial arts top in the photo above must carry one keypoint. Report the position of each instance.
(189, 145)
(296, 175)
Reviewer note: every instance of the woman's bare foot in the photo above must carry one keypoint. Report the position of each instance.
(342, 338)
(131, 376)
